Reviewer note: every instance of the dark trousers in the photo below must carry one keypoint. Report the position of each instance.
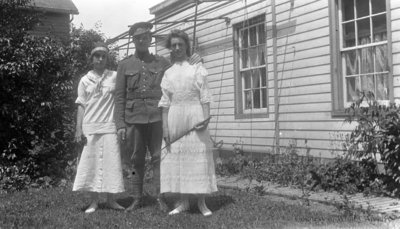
(139, 139)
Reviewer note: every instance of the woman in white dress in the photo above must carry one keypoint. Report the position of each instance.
(187, 165)
(99, 169)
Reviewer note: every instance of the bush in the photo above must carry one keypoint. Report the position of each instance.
(377, 133)
(289, 169)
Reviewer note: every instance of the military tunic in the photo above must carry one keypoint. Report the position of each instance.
(138, 90)
(137, 95)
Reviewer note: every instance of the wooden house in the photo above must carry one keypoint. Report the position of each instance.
(55, 17)
(282, 72)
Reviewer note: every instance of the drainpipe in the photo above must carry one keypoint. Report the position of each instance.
(275, 64)
(194, 26)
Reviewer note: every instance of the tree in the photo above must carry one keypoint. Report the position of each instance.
(37, 78)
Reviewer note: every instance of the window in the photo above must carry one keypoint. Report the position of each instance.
(362, 53)
(250, 67)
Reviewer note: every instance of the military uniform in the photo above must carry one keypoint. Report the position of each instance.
(136, 109)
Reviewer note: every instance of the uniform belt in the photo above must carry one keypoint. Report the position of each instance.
(143, 95)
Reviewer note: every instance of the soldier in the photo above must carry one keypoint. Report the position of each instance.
(137, 116)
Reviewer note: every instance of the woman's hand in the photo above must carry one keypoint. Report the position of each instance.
(79, 137)
(202, 125)
(166, 135)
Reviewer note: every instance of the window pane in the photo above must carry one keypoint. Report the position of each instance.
(348, 9)
(364, 32)
(253, 57)
(244, 37)
(367, 83)
(261, 34)
(349, 38)
(253, 36)
(263, 77)
(351, 62)
(366, 60)
(261, 54)
(255, 74)
(244, 58)
(362, 8)
(379, 27)
(352, 84)
(378, 6)
(264, 97)
(256, 98)
(246, 79)
(381, 59)
(382, 89)
(247, 100)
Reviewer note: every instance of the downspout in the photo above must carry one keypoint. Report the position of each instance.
(194, 26)
(275, 64)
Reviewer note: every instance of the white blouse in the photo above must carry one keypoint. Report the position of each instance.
(96, 95)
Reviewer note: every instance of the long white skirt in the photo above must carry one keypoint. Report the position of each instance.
(99, 168)
(187, 166)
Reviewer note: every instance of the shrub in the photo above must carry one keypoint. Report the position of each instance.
(289, 169)
(232, 165)
(377, 133)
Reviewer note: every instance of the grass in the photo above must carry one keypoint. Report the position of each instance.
(62, 208)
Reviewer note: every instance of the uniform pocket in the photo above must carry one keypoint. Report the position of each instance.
(129, 104)
(132, 79)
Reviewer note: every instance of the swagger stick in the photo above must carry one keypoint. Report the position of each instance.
(182, 135)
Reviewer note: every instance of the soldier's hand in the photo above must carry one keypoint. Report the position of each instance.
(121, 134)
(195, 59)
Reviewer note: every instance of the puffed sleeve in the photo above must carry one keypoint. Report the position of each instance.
(82, 95)
(166, 89)
(202, 84)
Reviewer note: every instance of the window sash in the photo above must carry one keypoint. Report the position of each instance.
(254, 89)
(252, 65)
(366, 73)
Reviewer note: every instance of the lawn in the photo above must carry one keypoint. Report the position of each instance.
(62, 208)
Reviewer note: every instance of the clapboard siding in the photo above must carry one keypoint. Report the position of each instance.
(303, 71)
(395, 25)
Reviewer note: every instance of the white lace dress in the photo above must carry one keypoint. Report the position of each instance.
(187, 166)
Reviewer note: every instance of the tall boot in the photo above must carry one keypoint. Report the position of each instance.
(162, 205)
(156, 182)
(137, 192)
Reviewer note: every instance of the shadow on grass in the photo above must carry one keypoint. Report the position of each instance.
(214, 202)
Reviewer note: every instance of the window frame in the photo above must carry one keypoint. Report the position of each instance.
(241, 113)
(337, 78)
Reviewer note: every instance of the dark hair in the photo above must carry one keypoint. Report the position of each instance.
(179, 34)
(91, 54)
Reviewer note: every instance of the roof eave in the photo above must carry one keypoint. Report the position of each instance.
(64, 11)
(168, 5)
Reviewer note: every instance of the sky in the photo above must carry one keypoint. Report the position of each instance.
(114, 16)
